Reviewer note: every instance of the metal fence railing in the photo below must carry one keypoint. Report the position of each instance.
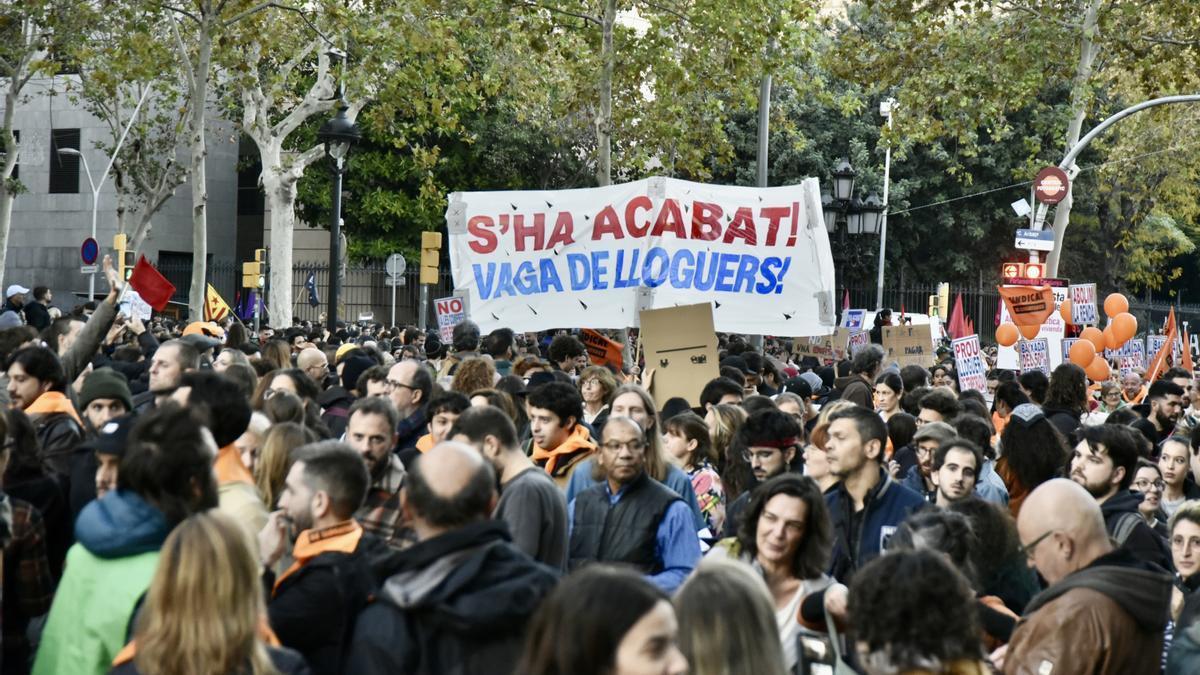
(365, 291)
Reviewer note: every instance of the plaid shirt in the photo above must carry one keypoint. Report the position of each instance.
(26, 577)
(380, 513)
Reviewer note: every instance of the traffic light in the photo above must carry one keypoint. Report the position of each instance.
(431, 245)
(252, 274)
(124, 256)
(1012, 270)
(1035, 271)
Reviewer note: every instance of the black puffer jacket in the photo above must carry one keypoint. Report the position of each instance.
(456, 604)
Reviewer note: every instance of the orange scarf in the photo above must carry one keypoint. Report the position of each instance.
(265, 634)
(340, 538)
(229, 467)
(53, 402)
(578, 439)
(424, 443)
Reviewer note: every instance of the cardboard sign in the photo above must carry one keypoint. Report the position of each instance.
(857, 342)
(1083, 305)
(1035, 355)
(968, 361)
(853, 319)
(909, 345)
(825, 348)
(133, 305)
(1028, 306)
(680, 345)
(601, 350)
(450, 313)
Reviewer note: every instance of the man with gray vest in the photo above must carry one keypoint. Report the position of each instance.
(630, 517)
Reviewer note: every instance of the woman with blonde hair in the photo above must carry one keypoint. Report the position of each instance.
(204, 613)
(723, 421)
(274, 459)
(276, 353)
(726, 622)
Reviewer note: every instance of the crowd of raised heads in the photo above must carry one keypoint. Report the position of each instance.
(205, 499)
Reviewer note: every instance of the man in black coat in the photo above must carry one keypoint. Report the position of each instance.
(313, 603)
(459, 600)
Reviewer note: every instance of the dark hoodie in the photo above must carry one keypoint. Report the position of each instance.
(456, 603)
(1142, 541)
(1108, 617)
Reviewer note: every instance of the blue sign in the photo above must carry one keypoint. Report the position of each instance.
(90, 251)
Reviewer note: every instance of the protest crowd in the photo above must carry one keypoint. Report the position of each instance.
(188, 498)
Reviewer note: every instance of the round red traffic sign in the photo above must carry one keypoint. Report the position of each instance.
(1051, 185)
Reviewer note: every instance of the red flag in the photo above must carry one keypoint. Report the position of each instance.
(1159, 365)
(902, 313)
(957, 328)
(846, 300)
(152, 286)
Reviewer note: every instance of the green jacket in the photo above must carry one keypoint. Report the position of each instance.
(106, 573)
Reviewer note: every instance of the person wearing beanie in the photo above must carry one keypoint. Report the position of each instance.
(105, 395)
(335, 401)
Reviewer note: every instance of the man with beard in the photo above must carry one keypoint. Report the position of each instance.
(1166, 405)
(767, 441)
(927, 440)
(314, 601)
(955, 468)
(1104, 463)
(371, 431)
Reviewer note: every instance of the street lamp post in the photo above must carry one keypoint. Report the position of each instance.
(858, 216)
(338, 135)
(96, 187)
(885, 109)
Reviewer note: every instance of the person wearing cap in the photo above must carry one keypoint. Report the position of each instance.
(108, 447)
(14, 300)
(104, 397)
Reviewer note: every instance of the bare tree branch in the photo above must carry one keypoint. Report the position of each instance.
(1169, 39)
(668, 10)
(182, 11)
(183, 55)
(1042, 16)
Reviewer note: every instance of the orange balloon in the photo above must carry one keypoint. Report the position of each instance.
(1116, 304)
(1095, 336)
(1099, 370)
(1029, 332)
(1124, 326)
(1064, 310)
(1006, 335)
(1082, 353)
(1110, 337)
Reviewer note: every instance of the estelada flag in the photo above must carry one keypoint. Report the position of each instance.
(601, 350)
(1028, 305)
(152, 286)
(215, 307)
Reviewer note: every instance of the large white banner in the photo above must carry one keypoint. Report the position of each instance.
(596, 257)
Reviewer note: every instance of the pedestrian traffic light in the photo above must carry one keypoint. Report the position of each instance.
(431, 245)
(1012, 270)
(1035, 271)
(124, 256)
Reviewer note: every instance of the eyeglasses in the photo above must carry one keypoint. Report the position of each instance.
(760, 455)
(392, 385)
(618, 446)
(1145, 485)
(925, 451)
(1027, 550)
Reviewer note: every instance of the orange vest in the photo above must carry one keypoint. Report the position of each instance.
(129, 651)
(229, 467)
